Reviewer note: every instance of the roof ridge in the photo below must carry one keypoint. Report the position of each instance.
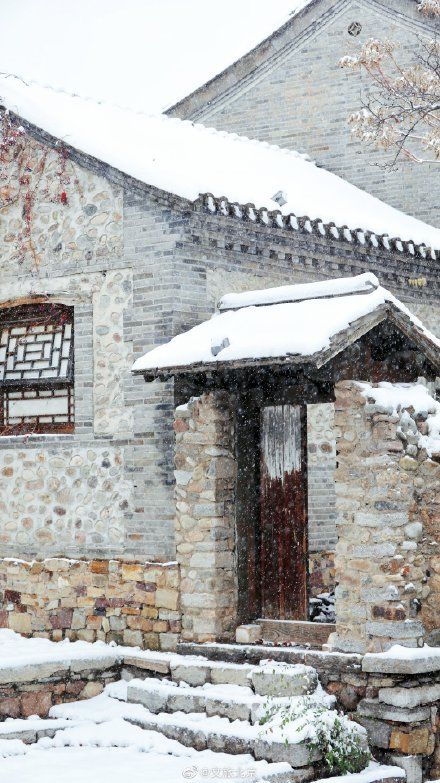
(87, 98)
(162, 117)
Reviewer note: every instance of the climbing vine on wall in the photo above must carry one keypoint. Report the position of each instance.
(24, 165)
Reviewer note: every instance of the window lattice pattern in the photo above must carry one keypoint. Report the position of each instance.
(36, 351)
(36, 369)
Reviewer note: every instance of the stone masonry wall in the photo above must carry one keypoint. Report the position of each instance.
(128, 603)
(84, 228)
(205, 523)
(387, 491)
(35, 691)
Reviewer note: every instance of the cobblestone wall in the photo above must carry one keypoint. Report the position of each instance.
(205, 519)
(387, 496)
(128, 603)
(76, 496)
(83, 229)
(65, 494)
(92, 255)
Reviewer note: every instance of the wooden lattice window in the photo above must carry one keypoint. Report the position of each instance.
(36, 369)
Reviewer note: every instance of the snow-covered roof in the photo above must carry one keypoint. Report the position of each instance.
(189, 160)
(291, 324)
(143, 54)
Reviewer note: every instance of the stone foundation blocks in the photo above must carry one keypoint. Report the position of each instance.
(278, 680)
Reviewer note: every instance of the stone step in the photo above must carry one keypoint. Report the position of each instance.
(267, 679)
(181, 668)
(252, 654)
(220, 735)
(30, 730)
(300, 632)
(235, 702)
(197, 670)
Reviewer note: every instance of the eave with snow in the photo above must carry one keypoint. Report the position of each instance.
(299, 326)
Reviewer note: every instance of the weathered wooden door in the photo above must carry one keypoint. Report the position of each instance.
(283, 517)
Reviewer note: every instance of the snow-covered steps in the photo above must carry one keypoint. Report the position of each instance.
(110, 749)
(236, 702)
(221, 735)
(226, 717)
(267, 679)
(230, 717)
(198, 734)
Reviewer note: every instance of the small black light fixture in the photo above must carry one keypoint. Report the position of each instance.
(354, 29)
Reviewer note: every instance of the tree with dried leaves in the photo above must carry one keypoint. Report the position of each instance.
(401, 113)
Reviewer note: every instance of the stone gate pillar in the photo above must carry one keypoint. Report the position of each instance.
(205, 517)
(382, 508)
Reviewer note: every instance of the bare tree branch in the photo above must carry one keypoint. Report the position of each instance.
(401, 113)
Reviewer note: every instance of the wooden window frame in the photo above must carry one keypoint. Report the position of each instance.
(48, 378)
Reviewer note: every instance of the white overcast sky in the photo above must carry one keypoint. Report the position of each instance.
(146, 54)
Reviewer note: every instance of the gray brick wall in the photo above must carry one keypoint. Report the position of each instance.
(321, 465)
(300, 98)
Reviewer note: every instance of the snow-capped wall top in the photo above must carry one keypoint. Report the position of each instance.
(143, 54)
(281, 330)
(187, 159)
(343, 286)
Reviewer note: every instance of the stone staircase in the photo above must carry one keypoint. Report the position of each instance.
(207, 705)
(219, 706)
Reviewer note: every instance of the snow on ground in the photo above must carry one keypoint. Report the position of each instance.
(188, 159)
(146, 54)
(100, 765)
(367, 775)
(16, 650)
(98, 709)
(289, 328)
(101, 747)
(11, 747)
